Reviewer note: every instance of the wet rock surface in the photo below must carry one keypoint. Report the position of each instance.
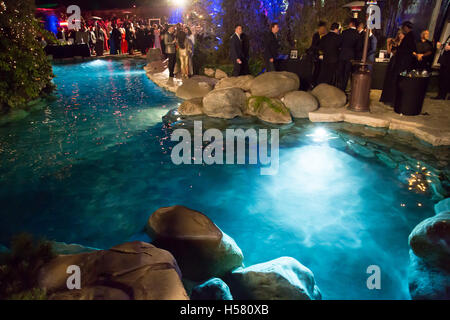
(202, 250)
(134, 270)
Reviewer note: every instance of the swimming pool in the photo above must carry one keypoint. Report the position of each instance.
(93, 165)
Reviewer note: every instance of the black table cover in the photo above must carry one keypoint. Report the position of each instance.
(68, 51)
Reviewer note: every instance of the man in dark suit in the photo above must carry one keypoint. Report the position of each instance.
(330, 46)
(350, 41)
(236, 51)
(444, 71)
(362, 37)
(271, 47)
(405, 59)
(314, 49)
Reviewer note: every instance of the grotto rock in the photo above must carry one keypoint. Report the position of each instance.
(300, 103)
(269, 110)
(280, 279)
(155, 67)
(430, 240)
(193, 88)
(442, 206)
(220, 74)
(202, 250)
(242, 82)
(329, 96)
(274, 84)
(154, 54)
(191, 107)
(134, 270)
(209, 72)
(224, 103)
(427, 282)
(213, 289)
(70, 248)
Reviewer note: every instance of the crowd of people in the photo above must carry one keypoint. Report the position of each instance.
(333, 52)
(126, 37)
(407, 54)
(115, 36)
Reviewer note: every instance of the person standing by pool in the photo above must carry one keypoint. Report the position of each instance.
(191, 45)
(99, 35)
(130, 36)
(387, 95)
(182, 44)
(424, 54)
(157, 35)
(271, 47)
(236, 51)
(116, 37)
(330, 45)
(123, 41)
(444, 71)
(349, 50)
(171, 53)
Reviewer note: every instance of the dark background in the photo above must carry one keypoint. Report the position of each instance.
(102, 4)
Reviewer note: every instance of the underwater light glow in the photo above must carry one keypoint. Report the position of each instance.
(320, 135)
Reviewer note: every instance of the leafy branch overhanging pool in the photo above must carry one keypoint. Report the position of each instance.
(95, 163)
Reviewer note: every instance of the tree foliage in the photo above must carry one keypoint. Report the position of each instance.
(19, 268)
(25, 72)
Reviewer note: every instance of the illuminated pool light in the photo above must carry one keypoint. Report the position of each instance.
(321, 135)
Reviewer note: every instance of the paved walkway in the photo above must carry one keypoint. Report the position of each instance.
(433, 126)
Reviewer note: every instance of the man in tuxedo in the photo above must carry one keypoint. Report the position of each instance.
(362, 37)
(405, 59)
(330, 46)
(444, 71)
(170, 50)
(350, 42)
(271, 47)
(237, 52)
(314, 49)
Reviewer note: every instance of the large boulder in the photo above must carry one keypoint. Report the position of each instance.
(213, 289)
(193, 88)
(224, 103)
(191, 107)
(274, 84)
(300, 103)
(154, 54)
(280, 279)
(134, 270)
(209, 72)
(329, 96)
(202, 250)
(427, 282)
(220, 74)
(155, 66)
(268, 110)
(442, 206)
(242, 82)
(430, 240)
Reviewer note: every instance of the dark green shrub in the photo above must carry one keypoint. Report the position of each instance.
(20, 267)
(25, 72)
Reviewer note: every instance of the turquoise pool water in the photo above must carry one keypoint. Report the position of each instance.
(93, 165)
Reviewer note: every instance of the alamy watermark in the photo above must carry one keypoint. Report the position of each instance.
(213, 153)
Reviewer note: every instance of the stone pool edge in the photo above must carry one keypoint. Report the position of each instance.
(380, 116)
